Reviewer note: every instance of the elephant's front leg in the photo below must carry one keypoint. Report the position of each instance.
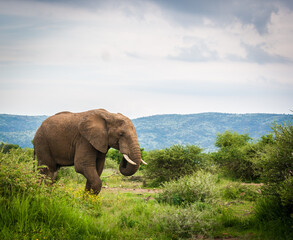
(85, 163)
(93, 183)
(100, 162)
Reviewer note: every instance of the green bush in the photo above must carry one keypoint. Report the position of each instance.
(274, 210)
(275, 165)
(231, 139)
(199, 187)
(235, 155)
(174, 162)
(114, 155)
(110, 163)
(6, 147)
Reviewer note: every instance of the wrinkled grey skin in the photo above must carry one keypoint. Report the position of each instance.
(82, 140)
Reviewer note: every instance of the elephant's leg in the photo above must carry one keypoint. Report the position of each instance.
(45, 159)
(85, 163)
(93, 182)
(51, 171)
(87, 185)
(100, 162)
(53, 174)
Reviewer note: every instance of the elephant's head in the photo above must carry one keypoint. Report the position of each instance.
(105, 130)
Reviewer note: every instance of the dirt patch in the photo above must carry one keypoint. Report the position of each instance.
(132, 190)
(252, 184)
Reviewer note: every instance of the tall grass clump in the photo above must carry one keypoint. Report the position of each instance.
(199, 187)
(194, 222)
(30, 209)
(236, 190)
(68, 174)
(17, 173)
(272, 219)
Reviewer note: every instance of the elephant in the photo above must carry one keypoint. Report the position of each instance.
(83, 140)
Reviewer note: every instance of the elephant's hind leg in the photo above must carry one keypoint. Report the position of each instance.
(45, 159)
(49, 169)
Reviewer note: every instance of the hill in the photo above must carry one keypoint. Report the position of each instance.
(18, 129)
(201, 129)
(160, 131)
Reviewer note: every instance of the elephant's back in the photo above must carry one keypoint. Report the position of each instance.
(61, 124)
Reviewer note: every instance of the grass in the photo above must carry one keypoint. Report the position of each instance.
(30, 209)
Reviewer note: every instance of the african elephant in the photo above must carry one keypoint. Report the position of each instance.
(83, 139)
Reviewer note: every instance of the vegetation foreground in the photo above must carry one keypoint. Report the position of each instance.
(243, 191)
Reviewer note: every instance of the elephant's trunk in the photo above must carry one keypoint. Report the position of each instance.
(128, 168)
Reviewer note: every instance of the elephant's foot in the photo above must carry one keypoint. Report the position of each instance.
(49, 174)
(94, 188)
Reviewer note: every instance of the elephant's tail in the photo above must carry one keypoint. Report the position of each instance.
(34, 161)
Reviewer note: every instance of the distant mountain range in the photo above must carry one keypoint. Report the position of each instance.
(160, 131)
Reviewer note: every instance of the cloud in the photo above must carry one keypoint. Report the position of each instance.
(222, 12)
(199, 52)
(259, 55)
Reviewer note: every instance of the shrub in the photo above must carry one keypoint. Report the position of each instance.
(114, 155)
(174, 162)
(199, 187)
(275, 165)
(235, 155)
(229, 139)
(112, 164)
(274, 210)
(6, 147)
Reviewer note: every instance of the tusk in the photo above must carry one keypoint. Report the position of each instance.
(144, 162)
(128, 159)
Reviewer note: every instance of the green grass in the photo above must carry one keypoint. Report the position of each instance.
(30, 209)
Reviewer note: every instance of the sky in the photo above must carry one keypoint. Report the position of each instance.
(142, 58)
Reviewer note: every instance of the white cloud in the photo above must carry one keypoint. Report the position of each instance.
(280, 34)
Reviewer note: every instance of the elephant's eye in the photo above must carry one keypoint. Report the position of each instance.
(121, 134)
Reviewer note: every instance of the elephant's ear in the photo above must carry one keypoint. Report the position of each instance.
(93, 128)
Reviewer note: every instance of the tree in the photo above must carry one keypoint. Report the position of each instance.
(231, 139)
(275, 165)
(235, 155)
